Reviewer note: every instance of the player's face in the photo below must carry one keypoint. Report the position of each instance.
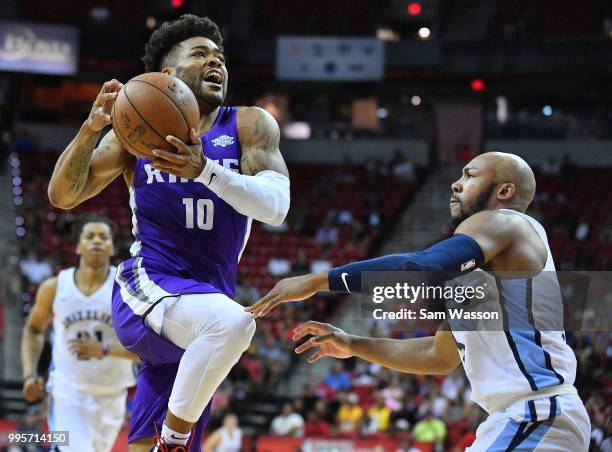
(96, 244)
(201, 65)
(472, 192)
(230, 421)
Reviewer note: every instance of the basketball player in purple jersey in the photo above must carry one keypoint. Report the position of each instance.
(192, 213)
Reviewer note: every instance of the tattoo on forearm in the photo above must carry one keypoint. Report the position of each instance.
(78, 165)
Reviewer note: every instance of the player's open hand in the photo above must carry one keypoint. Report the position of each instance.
(289, 289)
(100, 115)
(86, 348)
(189, 160)
(331, 340)
(33, 389)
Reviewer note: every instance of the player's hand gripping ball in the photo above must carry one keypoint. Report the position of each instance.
(100, 115)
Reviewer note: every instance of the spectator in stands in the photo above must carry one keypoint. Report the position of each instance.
(430, 430)
(279, 265)
(401, 168)
(316, 426)
(379, 415)
(438, 403)
(606, 444)
(393, 393)
(301, 217)
(301, 265)
(271, 351)
(374, 219)
(228, 438)
(288, 423)
(344, 217)
(350, 415)
(338, 378)
(327, 235)
(582, 230)
(246, 293)
(34, 269)
(322, 263)
(551, 167)
(363, 377)
(453, 384)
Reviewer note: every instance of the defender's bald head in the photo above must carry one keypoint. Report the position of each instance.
(509, 168)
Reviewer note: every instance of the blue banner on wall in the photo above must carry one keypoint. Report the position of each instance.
(41, 49)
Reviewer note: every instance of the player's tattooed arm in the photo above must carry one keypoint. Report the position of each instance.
(259, 139)
(82, 171)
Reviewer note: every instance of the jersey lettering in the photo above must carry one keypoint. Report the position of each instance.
(155, 175)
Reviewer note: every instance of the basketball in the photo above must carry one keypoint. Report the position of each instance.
(150, 107)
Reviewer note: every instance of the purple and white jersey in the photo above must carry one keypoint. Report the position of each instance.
(187, 239)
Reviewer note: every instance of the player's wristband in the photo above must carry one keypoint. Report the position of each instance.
(33, 376)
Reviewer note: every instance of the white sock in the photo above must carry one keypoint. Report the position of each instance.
(171, 437)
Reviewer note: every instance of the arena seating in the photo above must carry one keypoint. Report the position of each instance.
(565, 200)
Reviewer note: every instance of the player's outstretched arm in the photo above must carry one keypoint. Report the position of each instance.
(83, 170)
(425, 356)
(477, 241)
(33, 339)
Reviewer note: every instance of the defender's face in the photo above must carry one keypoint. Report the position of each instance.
(96, 244)
(201, 65)
(472, 192)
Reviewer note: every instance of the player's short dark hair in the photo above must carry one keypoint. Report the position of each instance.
(164, 39)
(80, 223)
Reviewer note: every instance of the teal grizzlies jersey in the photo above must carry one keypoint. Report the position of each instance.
(525, 358)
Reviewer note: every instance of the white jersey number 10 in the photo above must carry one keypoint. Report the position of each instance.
(204, 213)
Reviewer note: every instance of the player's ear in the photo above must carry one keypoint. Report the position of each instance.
(168, 70)
(506, 191)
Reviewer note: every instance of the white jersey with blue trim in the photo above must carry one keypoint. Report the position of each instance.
(76, 315)
(526, 358)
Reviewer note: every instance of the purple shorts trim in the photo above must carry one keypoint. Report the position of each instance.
(160, 361)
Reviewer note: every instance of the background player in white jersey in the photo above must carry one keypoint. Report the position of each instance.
(522, 376)
(227, 438)
(90, 370)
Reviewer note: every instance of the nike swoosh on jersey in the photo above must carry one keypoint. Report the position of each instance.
(213, 175)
